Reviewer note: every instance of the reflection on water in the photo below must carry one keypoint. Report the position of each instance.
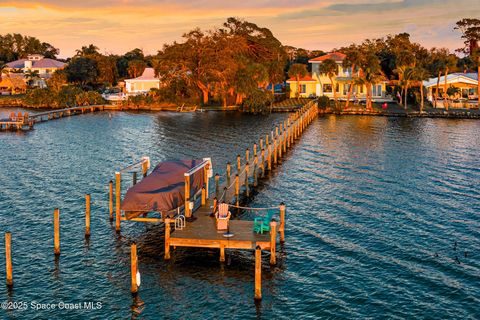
(374, 207)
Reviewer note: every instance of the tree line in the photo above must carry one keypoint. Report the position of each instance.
(404, 64)
(236, 62)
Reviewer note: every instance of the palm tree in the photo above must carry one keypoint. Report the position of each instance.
(297, 71)
(439, 58)
(405, 77)
(330, 68)
(87, 50)
(370, 72)
(450, 65)
(419, 75)
(352, 61)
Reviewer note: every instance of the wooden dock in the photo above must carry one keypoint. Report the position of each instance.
(194, 224)
(26, 122)
(201, 232)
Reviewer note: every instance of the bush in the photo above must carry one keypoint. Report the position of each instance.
(68, 96)
(323, 102)
(259, 101)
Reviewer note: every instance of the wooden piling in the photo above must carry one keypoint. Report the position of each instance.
(133, 267)
(206, 168)
(237, 189)
(222, 252)
(167, 239)
(273, 242)
(247, 189)
(261, 143)
(145, 168)
(266, 140)
(110, 193)
(255, 160)
(282, 222)
(134, 178)
(188, 212)
(215, 204)
(269, 158)
(87, 215)
(8, 258)
(275, 152)
(263, 162)
(247, 155)
(258, 273)
(239, 167)
(229, 170)
(56, 231)
(280, 146)
(217, 184)
(204, 196)
(254, 149)
(118, 178)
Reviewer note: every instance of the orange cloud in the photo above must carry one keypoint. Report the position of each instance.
(118, 26)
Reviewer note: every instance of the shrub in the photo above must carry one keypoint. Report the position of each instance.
(258, 101)
(323, 102)
(68, 96)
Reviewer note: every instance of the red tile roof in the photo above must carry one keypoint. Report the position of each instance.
(307, 78)
(336, 56)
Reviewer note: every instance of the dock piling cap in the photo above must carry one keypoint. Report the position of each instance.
(258, 247)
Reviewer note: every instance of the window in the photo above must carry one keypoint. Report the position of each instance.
(303, 88)
(360, 89)
(374, 91)
(327, 88)
(346, 88)
(337, 87)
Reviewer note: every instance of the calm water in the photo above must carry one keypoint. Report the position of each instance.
(375, 206)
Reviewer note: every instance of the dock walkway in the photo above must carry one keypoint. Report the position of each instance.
(26, 122)
(202, 231)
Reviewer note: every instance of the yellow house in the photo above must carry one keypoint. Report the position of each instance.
(307, 86)
(143, 83)
(320, 84)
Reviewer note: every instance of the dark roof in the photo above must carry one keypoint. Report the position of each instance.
(42, 63)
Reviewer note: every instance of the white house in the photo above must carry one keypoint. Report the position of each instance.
(36, 62)
(467, 84)
(143, 83)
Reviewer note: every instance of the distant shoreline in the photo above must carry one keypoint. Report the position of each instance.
(429, 113)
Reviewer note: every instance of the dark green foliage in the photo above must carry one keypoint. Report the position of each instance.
(68, 96)
(82, 70)
(259, 101)
(323, 102)
(16, 46)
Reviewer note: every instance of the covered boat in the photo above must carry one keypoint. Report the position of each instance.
(163, 189)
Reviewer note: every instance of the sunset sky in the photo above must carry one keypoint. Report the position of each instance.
(119, 26)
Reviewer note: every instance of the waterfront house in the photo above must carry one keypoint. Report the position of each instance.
(465, 84)
(36, 63)
(13, 83)
(318, 84)
(144, 83)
